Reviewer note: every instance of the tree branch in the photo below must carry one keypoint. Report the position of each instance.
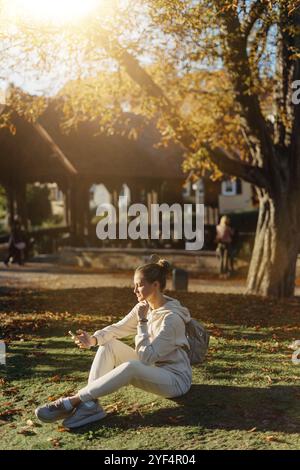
(253, 174)
(256, 11)
(233, 167)
(237, 62)
(142, 78)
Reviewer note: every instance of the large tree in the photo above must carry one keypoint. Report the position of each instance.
(258, 44)
(219, 77)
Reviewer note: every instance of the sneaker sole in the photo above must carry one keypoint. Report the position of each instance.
(87, 420)
(45, 420)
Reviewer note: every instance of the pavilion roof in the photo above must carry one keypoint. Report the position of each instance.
(99, 155)
(43, 152)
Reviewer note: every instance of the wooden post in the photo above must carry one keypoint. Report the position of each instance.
(10, 194)
(21, 203)
(67, 206)
(73, 213)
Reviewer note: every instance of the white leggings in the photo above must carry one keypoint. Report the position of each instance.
(116, 365)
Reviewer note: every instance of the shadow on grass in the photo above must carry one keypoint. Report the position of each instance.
(216, 407)
(229, 309)
(27, 362)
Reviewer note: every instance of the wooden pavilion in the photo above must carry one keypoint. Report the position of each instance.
(41, 152)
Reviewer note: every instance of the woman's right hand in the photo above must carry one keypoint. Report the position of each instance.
(84, 340)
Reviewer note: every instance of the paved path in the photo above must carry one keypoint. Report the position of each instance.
(53, 276)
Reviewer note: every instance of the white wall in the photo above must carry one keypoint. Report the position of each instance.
(237, 203)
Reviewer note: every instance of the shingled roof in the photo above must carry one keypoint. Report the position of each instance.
(100, 155)
(29, 153)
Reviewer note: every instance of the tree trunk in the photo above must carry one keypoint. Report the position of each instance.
(272, 269)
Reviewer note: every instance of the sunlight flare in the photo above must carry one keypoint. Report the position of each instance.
(53, 11)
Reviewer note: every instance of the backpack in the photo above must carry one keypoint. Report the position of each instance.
(198, 338)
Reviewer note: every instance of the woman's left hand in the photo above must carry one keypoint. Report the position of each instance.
(142, 311)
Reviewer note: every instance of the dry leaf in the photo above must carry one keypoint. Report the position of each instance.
(271, 439)
(26, 431)
(252, 430)
(11, 412)
(175, 419)
(63, 429)
(55, 378)
(55, 442)
(11, 391)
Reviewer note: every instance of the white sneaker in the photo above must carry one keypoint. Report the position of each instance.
(84, 414)
(52, 411)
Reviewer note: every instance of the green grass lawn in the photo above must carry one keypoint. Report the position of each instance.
(246, 395)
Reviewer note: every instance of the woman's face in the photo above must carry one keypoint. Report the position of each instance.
(142, 288)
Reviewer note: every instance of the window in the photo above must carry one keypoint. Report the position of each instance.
(199, 186)
(239, 188)
(231, 188)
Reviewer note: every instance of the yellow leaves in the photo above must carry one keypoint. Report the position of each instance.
(293, 5)
(28, 106)
(52, 398)
(229, 5)
(14, 324)
(135, 408)
(115, 407)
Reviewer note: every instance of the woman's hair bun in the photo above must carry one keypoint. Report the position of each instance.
(154, 259)
(164, 264)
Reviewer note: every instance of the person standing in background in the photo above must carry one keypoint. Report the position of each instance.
(16, 244)
(224, 237)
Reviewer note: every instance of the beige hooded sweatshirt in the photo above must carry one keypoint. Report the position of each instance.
(161, 341)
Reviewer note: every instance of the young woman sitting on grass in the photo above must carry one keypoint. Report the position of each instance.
(158, 364)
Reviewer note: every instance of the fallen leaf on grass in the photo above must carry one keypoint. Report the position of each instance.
(175, 419)
(52, 398)
(26, 431)
(32, 401)
(7, 404)
(135, 408)
(114, 407)
(7, 413)
(11, 391)
(55, 442)
(252, 430)
(272, 439)
(37, 353)
(55, 378)
(63, 429)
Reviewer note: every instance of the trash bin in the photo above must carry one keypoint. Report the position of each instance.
(180, 279)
